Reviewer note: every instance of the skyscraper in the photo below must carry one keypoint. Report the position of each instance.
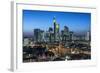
(50, 34)
(56, 30)
(66, 33)
(38, 35)
(71, 35)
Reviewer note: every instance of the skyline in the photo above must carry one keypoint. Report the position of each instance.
(75, 21)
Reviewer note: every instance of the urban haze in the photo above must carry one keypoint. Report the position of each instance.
(56, 36)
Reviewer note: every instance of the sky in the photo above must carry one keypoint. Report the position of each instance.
(75, 21)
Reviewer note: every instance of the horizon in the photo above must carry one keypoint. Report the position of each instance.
(75, 21)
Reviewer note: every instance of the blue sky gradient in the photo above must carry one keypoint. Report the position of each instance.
(77, 22)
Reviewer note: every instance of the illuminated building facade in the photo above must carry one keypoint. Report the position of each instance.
(56, 30)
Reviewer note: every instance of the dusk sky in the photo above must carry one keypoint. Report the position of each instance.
(77, 22)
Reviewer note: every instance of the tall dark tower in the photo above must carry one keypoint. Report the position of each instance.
(54, 22)
(56, 30)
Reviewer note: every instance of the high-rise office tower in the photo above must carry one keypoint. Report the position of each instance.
(56, 30)
(54, 22)
(71, 35)
(66, 34)
(38, 35)
(50, 34)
